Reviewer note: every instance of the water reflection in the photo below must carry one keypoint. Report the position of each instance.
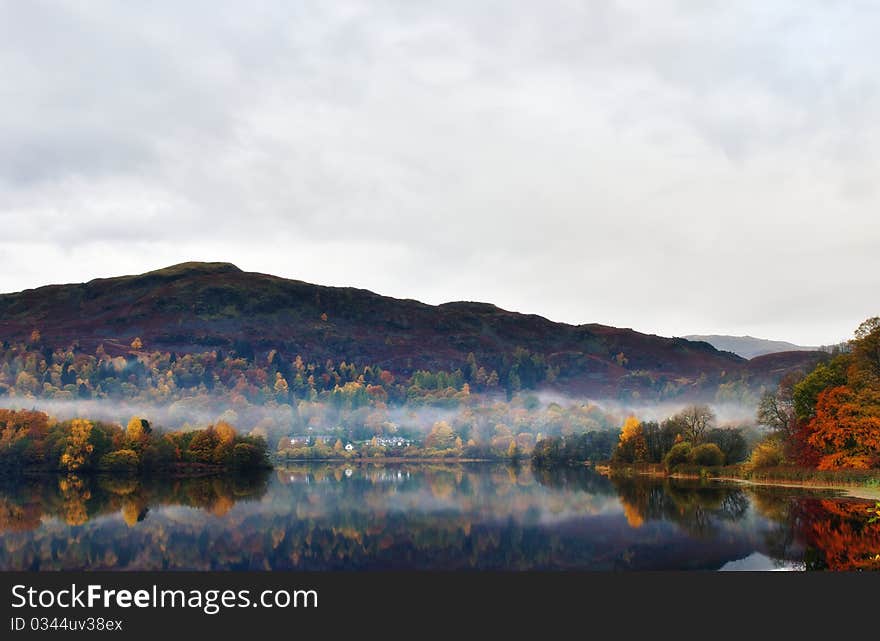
(347, 516)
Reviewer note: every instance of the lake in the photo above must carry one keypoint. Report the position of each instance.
(427, 516)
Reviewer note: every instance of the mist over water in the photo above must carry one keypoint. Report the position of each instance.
(194, 413)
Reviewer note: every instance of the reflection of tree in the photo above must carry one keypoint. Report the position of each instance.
(75, 499)
(697, 508)
(839, 535)
(442, 484)
(579, 478)
(119, 485)
(828, 533)
(372, 517)
(74, 494)
(133, 512)
(633, 514)
(734, 506)
(15, 517)
(776, 504)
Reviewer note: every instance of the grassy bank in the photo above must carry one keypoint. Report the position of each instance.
(856, 483)
(860, 483)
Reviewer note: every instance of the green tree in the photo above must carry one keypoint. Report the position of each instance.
(731, 442)
(806, 392)
(707, 454)
(679, 454)
(866, 347)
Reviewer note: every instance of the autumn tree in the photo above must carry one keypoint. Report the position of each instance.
(839, 404)
(282, 391)
(137, 343)
(225, 432)
(846, 428)
(441, 436)
(631, 446)
(225, 436)
(202, 446)
(137, 429)
(23, 436)
(76, 453)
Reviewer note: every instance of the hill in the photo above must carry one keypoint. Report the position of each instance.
(748, 346)
(197, 307)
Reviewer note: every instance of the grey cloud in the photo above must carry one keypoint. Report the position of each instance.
(667, 166)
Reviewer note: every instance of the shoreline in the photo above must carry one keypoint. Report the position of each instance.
(390, 459)
(848, 489)
(851, 491)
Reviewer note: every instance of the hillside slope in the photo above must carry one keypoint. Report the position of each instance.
(203, 306)
(748, 346)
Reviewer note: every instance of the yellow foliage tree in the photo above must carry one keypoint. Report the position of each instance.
(78, 447)
(281, 387)
(632, 428)
(337, 446)
(632, 446)
(441, 436)
(225, 432)
(137, 428)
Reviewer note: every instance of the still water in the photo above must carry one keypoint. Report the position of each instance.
(425, 516)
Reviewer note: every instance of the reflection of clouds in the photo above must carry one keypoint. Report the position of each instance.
(429, 490)
(570, 519)
(757, 562)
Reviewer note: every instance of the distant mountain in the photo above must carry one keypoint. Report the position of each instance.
(748, 346)
(196, 307)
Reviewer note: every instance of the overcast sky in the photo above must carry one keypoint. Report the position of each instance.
(675, 167)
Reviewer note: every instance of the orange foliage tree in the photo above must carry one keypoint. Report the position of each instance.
(846, 428)
(632, 446)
